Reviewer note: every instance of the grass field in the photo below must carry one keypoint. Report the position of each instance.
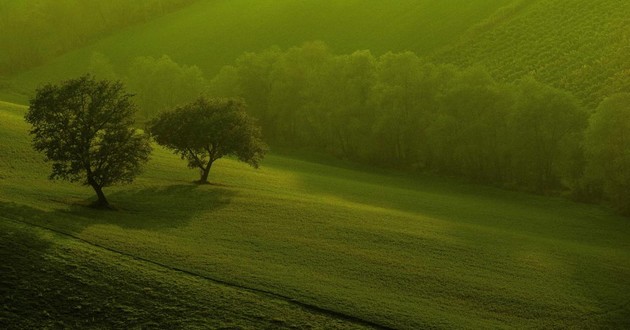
(53, 281)
(214, 33)
(397, 250)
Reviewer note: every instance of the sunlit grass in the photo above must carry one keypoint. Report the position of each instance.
(400, 250)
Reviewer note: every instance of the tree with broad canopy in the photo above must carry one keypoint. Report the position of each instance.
(85, 128)
(205, 130)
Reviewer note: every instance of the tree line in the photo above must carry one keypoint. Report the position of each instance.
(400, 111)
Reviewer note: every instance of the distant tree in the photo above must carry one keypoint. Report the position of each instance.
(469, 124)
(545, 128)
(85, 128)
(608, 150)
(345, 115)
(296, 81)
(253, 71)
(101, 67)
(206, 130)
(161, 84)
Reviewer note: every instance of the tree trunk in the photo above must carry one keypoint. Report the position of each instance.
(102, 201)
(204, 173)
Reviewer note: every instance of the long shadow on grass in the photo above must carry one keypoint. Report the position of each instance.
(157, 207)
(22, 270)
(153, 208)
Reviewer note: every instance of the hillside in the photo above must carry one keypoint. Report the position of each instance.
(573, 45)
(396, 250)
(35, 31)
(210, 34)
(387, 209)
(106, 289)
(577, 45)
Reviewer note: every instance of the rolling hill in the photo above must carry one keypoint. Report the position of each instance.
(382, 248)
(325, 243)
(211, 34)
(574, 45)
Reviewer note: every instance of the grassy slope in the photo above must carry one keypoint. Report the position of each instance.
(396, 250)
(52, 281)
(213, 33)
(577, 45)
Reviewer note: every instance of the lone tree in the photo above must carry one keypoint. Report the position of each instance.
(85, 128)
(206, 130)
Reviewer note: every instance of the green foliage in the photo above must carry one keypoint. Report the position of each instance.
(206, 130)
(397, 110)
(466, 134)
(101, 67)
(158, 84)
(546, 129)
(608, 149)
(161, 84)
(84, 127)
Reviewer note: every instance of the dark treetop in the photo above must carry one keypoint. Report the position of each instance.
(206, 130)
(85, 128)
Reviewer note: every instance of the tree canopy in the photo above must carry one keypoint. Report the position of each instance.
(205, 130)
(608, 150)
(85, 128)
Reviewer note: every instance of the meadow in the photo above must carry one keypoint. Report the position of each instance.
(211, 34)
(349, 242)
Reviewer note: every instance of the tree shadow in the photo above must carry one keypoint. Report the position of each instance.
(24, 263)
(153, 208)
(158, 207)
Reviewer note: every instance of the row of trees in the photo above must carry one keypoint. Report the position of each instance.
(397, 110)
(36, 30)
(85, 127)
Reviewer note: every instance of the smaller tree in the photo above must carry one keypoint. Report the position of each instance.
(85, 128)
(206, 130)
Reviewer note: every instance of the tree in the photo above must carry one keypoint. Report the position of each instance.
(608, 150)
(545, 130)
(85, 128)
(161, 84)
(101, 67)
(206, 130)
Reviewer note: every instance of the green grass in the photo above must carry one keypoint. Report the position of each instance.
(398, 250)
(576, 45)
(211, 34)
(52, 281)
